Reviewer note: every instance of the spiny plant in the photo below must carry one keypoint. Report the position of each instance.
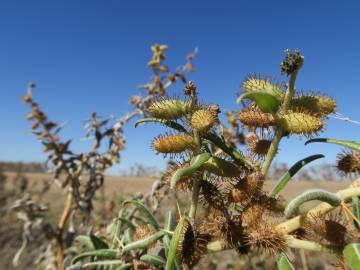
(238, 213)
(82, 174)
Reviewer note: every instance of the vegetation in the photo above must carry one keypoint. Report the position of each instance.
(223, 170)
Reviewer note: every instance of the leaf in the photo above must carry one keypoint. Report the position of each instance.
(98, 243)
(144, 243)
(166, 239)
(352, 255)
(195, 163)
(148, 215)
(125, 266)
(168, 123)
(153, 260)
(266, 102)
(85, 241)
(283, 263)
(290, 173)
(174, 244)
(100, 253)
(356, 210)
(90, 265)
(231, 151)
(310, 195)
(353, 145)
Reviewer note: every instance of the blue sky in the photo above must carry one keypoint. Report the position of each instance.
(90, 56)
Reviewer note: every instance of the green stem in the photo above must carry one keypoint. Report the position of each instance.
(197, 182)
(194, 199)
(279, 132)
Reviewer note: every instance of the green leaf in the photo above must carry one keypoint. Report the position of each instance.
(148, 215)
(144, 243)
(85, 241)
(310, 195)
(231, 151)
(98, 243)
(174, 244)
(153, 260)
(90, 265)
(356, 210)
(266, 102)
(100, 253)
(124, 266)
(352, 256)
(168, 123)
(195, 164)
(349, 144)
(290, 173)
(283, 263)
(167, 239)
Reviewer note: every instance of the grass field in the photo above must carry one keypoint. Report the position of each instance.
(115, 189)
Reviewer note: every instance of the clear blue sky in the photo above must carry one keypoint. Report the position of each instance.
(90, 56)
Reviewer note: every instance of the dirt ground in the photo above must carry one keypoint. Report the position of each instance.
(116, 188)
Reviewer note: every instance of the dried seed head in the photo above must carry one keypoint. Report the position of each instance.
(190, 89)
(169, 109)
(221, 167)
(173, 144)
(348, 162)
(185, 183)
(253, 117)
(252, 214)
(300, 123)
(258, 84)
(27, 98)
(329, 229)
(211, 195)
(221, 226)
(267, 239)
(192, 245)
(314, 105)
(246, 188)
(292, 62)
(258, 147)
(203, 120)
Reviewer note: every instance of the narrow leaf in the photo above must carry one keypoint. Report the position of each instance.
(356, 210)
(153, 260)
(89, 265)
(266, 102)
(85, 241)
(283, 263)
(144, 243)
(309, 195)
(174, 244)
(125, 266)
(290, 173)
(148, 215)
(236, 155)
(100, 253)
(195, 163)
(98, 243)
(168, 123)
(349, 144)
(352, 256)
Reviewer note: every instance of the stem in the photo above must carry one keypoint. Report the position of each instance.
(61, 226)
(279, 132)
(197, 183)
(292, 242)
(194, 199)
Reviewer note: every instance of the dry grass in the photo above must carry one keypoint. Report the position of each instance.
(115, 189)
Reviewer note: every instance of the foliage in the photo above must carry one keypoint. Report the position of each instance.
(229, 206)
